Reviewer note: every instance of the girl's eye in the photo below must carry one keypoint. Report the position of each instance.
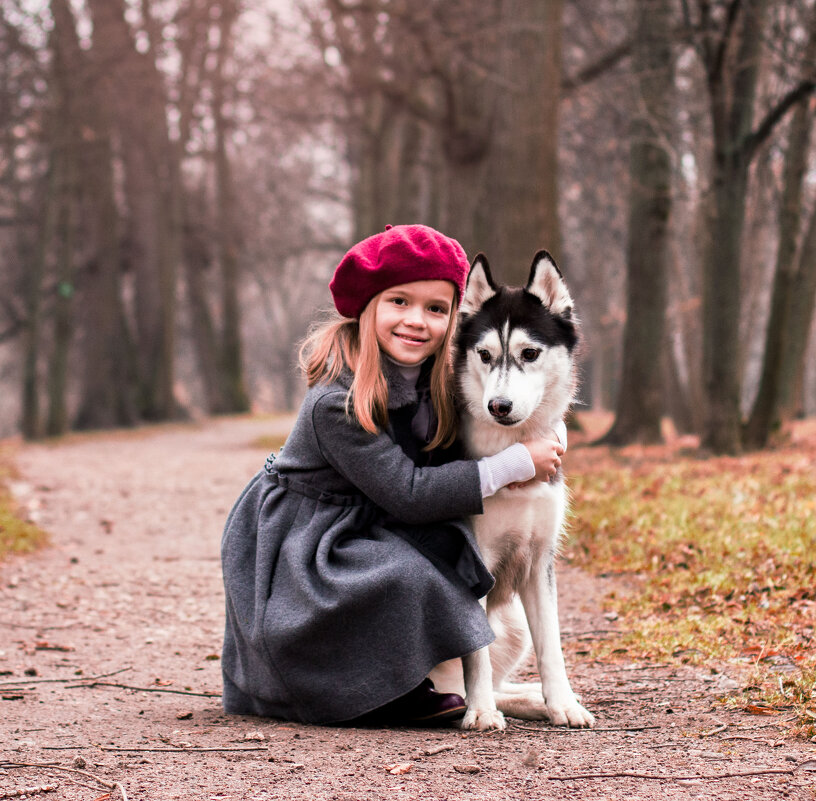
(484, 356)
(437, 309)
(398, 301)
(530, 354)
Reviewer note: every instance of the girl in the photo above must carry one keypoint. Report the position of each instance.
(349, 571)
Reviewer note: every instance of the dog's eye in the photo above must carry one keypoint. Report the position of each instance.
(530, 354)
(484, 355)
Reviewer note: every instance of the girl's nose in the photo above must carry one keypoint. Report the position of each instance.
(415, 316)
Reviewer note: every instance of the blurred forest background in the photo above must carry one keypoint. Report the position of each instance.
(178, 179)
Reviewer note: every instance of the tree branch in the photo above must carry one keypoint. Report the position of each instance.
(715, 68)
(775, 115)
(592, 71)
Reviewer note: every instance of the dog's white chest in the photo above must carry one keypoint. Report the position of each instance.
(523, 524)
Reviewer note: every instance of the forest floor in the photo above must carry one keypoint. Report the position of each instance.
(109, 670)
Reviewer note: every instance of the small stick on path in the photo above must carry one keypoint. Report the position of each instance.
(53, 766)
(141, 689)
(22, 682)
(191, 750)
(669, 778)
(565, 730)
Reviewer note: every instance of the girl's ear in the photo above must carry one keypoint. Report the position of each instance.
(480, 286)
(547, 284)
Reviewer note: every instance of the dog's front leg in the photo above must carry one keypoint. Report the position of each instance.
(481, 712)
(541, 606)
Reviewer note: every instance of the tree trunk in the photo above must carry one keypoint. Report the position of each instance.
(521, 213)
(135, 93)
(107, 386)
(232, 368)
(67, 66)
(779, 336)
(800, 320)
(204, 334)
(57, 422)
(732, 91)
(640, 398)
(32, 427)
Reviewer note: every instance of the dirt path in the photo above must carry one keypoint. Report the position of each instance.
(132, 584)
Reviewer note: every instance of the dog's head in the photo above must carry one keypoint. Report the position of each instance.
(515, 346)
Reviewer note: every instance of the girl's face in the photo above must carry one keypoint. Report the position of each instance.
(411, 320)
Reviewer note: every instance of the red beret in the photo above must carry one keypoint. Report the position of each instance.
(399, 255)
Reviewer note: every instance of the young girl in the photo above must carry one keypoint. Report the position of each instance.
(349, 571)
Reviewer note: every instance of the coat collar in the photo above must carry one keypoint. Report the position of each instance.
(401, 392)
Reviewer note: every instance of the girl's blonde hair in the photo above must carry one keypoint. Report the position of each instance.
(339, 342)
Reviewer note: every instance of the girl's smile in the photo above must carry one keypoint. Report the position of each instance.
(412, 319)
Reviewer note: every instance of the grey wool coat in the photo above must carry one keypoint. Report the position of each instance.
(349, 572)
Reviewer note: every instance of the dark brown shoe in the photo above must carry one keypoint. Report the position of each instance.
(422, 707)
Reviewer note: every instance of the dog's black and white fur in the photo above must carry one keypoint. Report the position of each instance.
(516, 377)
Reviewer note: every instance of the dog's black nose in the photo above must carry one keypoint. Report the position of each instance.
(500, 407)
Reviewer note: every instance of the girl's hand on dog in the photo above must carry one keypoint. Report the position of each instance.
(546, 455)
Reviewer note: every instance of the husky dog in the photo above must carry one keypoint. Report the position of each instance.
(516, 377)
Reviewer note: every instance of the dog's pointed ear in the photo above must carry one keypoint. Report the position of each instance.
(480, 286)
(547, 284)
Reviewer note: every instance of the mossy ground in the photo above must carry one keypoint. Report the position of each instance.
(720, 555)
(17, 533)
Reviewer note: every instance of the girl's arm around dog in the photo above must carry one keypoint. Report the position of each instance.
(381, 470)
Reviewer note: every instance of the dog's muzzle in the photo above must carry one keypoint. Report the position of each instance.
(500, 408)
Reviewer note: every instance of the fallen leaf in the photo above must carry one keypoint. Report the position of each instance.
(398, 768)
(755, 709)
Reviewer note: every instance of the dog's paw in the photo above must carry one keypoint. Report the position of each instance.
(483, 720)
(571, 714)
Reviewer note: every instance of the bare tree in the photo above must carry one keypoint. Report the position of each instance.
(729, 42)
(232, 365)
(793, 289)
(107, 382)
(640, 397)
(484, 79)
(134, 91)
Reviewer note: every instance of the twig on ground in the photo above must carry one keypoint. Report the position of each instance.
(190, 750)
(26, 791)
(565, 730)
(21, 682)
(55, 766)
(715, 730)
(64, 747)
(670, 778)
(761, 740)
(141, 689)
(435, 750)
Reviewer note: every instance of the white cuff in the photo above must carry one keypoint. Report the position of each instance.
(507, 466)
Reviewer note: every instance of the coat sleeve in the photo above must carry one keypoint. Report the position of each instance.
(381, 470)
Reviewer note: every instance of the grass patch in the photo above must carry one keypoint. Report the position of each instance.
(721, 556)
(17, 535)
(268, 443)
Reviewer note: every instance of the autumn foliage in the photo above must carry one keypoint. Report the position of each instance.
(717, 558)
